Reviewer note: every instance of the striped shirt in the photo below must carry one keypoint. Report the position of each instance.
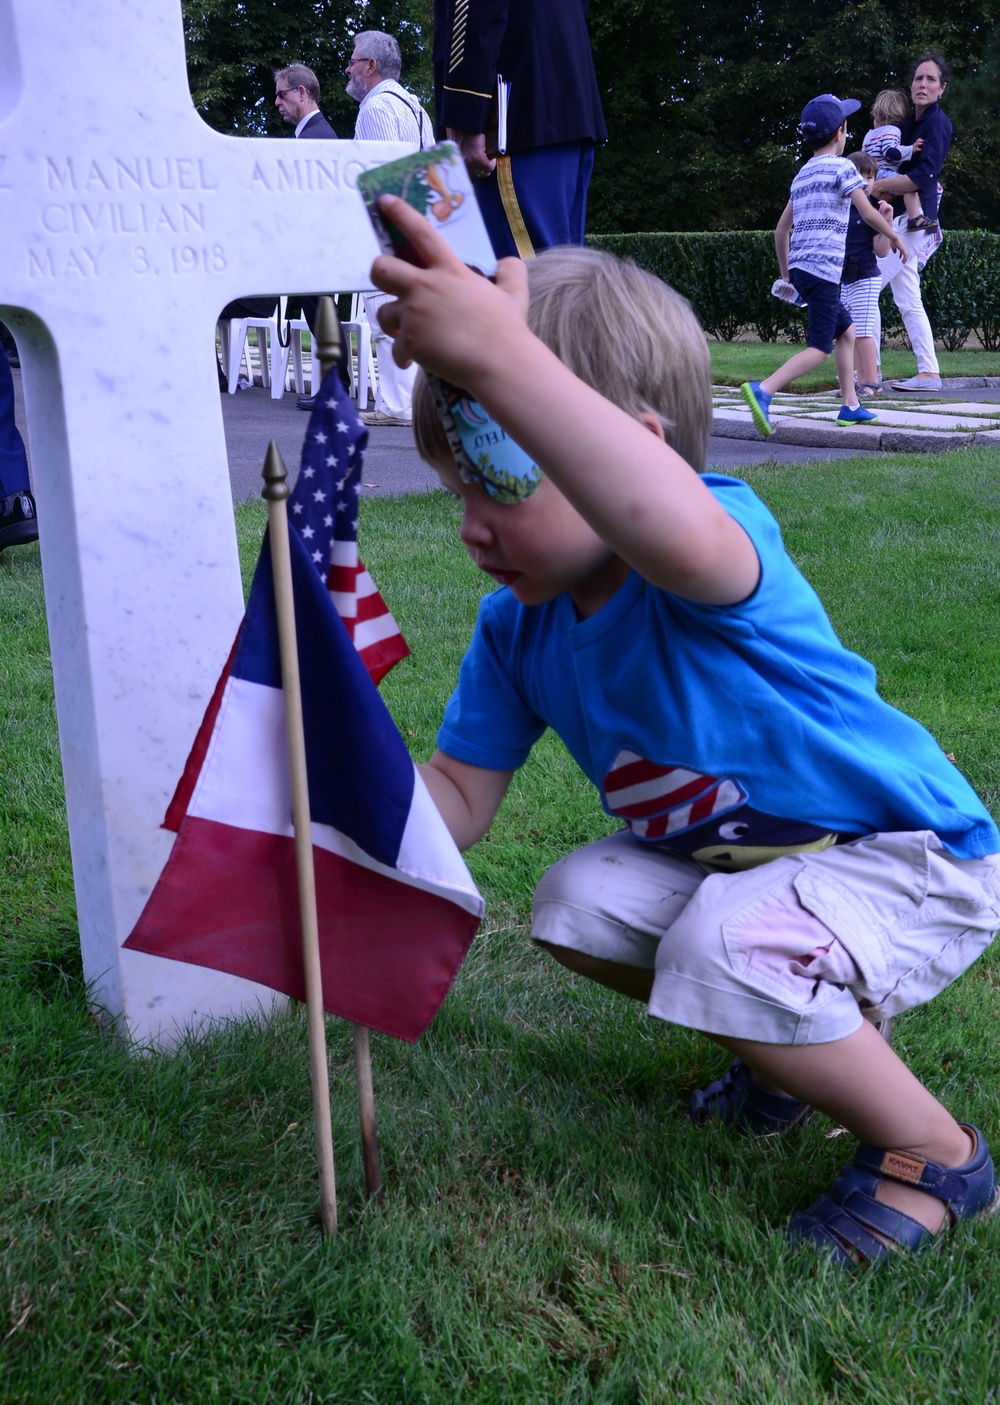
(821, 203)
(389, 113)
(885, 144)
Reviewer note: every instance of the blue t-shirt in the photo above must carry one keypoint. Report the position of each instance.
(726, 733)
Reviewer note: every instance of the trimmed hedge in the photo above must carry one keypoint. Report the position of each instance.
(728, 278)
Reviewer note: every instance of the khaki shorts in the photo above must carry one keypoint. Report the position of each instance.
(796, 951)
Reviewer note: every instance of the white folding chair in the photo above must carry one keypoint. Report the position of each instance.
(362, 366)
(235, 348)
(293, 329)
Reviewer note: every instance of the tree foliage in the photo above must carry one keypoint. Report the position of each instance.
(702, 97)
(234, 46)
(702, 101)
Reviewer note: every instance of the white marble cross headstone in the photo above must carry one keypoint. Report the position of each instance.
(125, 226)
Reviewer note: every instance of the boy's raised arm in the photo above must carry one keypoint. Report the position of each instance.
(642, 499)
(881, 243)
(878, 222)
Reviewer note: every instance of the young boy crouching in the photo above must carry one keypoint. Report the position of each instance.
(798, 860)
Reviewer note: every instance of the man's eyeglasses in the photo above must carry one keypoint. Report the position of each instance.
(283, 92)
(352, 62)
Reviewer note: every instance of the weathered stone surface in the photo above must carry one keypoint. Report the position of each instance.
(825, 434)
(911, 441)
(733, 425)
(127, 224)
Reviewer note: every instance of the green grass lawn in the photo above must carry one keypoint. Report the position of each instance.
(553, 1230)
(735, 362)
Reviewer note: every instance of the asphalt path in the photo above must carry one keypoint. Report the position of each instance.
(392, 465)
(251, 419)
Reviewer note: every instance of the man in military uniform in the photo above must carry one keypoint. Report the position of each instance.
(534, 194)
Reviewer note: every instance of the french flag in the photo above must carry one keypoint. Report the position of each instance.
(397, 906)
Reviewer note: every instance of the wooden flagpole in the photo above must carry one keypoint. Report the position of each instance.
(327, 348)
(275, 492)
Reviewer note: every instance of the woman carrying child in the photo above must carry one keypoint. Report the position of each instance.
(929, 125)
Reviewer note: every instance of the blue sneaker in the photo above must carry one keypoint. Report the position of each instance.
(859, 415)
(758, 401)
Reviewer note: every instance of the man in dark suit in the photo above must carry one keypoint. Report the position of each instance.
(533, 195)
(296, 96)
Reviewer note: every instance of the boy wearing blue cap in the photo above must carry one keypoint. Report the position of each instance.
(816, 218)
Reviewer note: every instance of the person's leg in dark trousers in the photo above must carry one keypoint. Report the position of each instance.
(310, 308)
(18, 522)
(537, 199)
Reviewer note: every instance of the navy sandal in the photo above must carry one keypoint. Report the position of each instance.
(841, 1221)
(746, 1106)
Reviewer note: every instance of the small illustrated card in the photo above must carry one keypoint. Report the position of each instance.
(436, 183)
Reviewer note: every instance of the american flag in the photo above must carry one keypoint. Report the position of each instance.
(324, 510)
(658, 801)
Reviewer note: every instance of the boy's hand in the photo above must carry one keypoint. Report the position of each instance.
(918, 145)
(885, 210)
(882, 224)
(447, 316)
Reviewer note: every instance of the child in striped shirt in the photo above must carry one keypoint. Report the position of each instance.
(883, 142)
(810, 239)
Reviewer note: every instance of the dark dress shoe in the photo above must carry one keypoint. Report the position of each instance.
(306, 402)
(18, 521)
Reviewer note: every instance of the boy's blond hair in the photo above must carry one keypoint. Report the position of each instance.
(622, 331)
(890, 107)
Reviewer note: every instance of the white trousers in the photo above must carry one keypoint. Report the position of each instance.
(904, 280)
(395, 386)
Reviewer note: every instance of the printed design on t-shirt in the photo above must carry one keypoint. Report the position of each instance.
(703, 817)
(657, 801)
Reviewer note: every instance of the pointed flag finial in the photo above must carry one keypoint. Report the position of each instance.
(275, 475)
(327, 334)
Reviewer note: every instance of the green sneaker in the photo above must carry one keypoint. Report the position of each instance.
(758, 401)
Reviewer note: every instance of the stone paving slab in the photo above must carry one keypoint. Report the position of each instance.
(956, 417)
(905, 425)
(932, 421)
(820, 434)
(918, 442)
